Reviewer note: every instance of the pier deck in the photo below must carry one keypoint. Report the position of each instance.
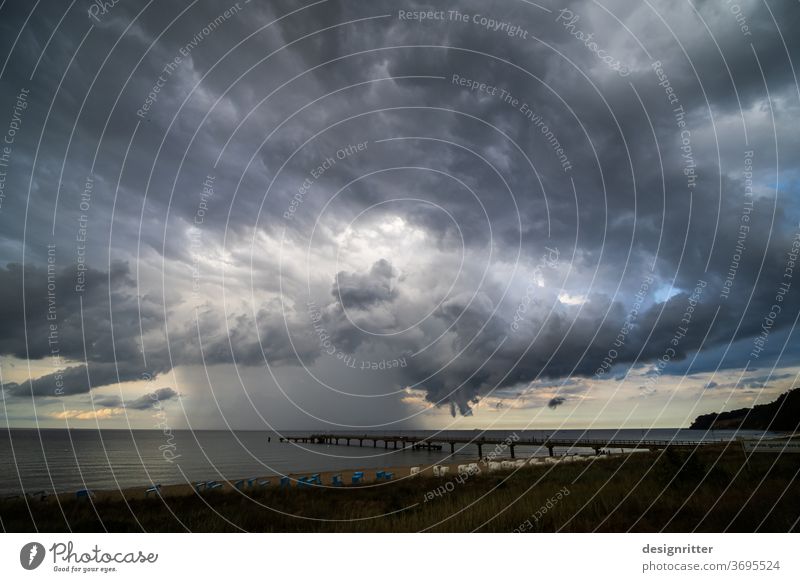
(438, 443)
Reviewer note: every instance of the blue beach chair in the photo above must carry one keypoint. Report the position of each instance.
(285, 482)
(379, 475)
(336, 481)
(315, 479)
(84, 494)
(302, 482)
(388, 476)
(239, 484)
(212, 485)
(358, 477)
(154, 489)
(263, 483)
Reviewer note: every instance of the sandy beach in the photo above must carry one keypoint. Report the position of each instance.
(399, 473)
(184, 489)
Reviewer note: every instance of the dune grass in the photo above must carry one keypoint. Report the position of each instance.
(706, 491)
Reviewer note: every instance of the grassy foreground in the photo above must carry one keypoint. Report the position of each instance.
(712, 491)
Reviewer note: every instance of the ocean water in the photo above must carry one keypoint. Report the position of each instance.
(60, 460)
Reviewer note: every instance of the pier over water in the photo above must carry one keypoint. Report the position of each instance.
(437, 443)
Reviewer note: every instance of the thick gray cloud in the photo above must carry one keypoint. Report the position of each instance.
(482, 150)
(360, 291)
(152, 399)
(144, 402)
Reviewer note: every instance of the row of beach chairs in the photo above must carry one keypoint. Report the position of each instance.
(358, 476)
(285, 482)
(240, 484)
(336, 480)
(443, 470)
(473, 468)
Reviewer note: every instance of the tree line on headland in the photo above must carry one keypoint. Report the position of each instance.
(782, 415)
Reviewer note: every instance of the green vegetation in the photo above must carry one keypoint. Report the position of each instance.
(709, 490)
(781, 415)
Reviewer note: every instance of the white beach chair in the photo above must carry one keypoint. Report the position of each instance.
(494, 466)
(474, 469)
(519, 463)
(414, 471)
(443, 470)
(507, 464)
(463, 469)
(436, 470)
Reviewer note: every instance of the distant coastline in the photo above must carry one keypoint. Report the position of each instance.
(781, 415)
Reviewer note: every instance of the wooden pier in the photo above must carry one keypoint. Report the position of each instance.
(500, 444)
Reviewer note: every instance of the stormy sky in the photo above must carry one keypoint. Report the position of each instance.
(389, 214)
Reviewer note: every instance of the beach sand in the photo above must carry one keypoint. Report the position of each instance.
(184, 489)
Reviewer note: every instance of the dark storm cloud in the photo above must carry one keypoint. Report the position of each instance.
(58, 320)
(109, 401)
(51, 317)
(144, 402)
(76, 380)
(359, 291)
(152, 399)
(622, 217)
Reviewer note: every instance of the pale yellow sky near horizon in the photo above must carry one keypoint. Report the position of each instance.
(675, 401)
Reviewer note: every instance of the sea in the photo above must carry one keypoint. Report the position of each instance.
(62, 460)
